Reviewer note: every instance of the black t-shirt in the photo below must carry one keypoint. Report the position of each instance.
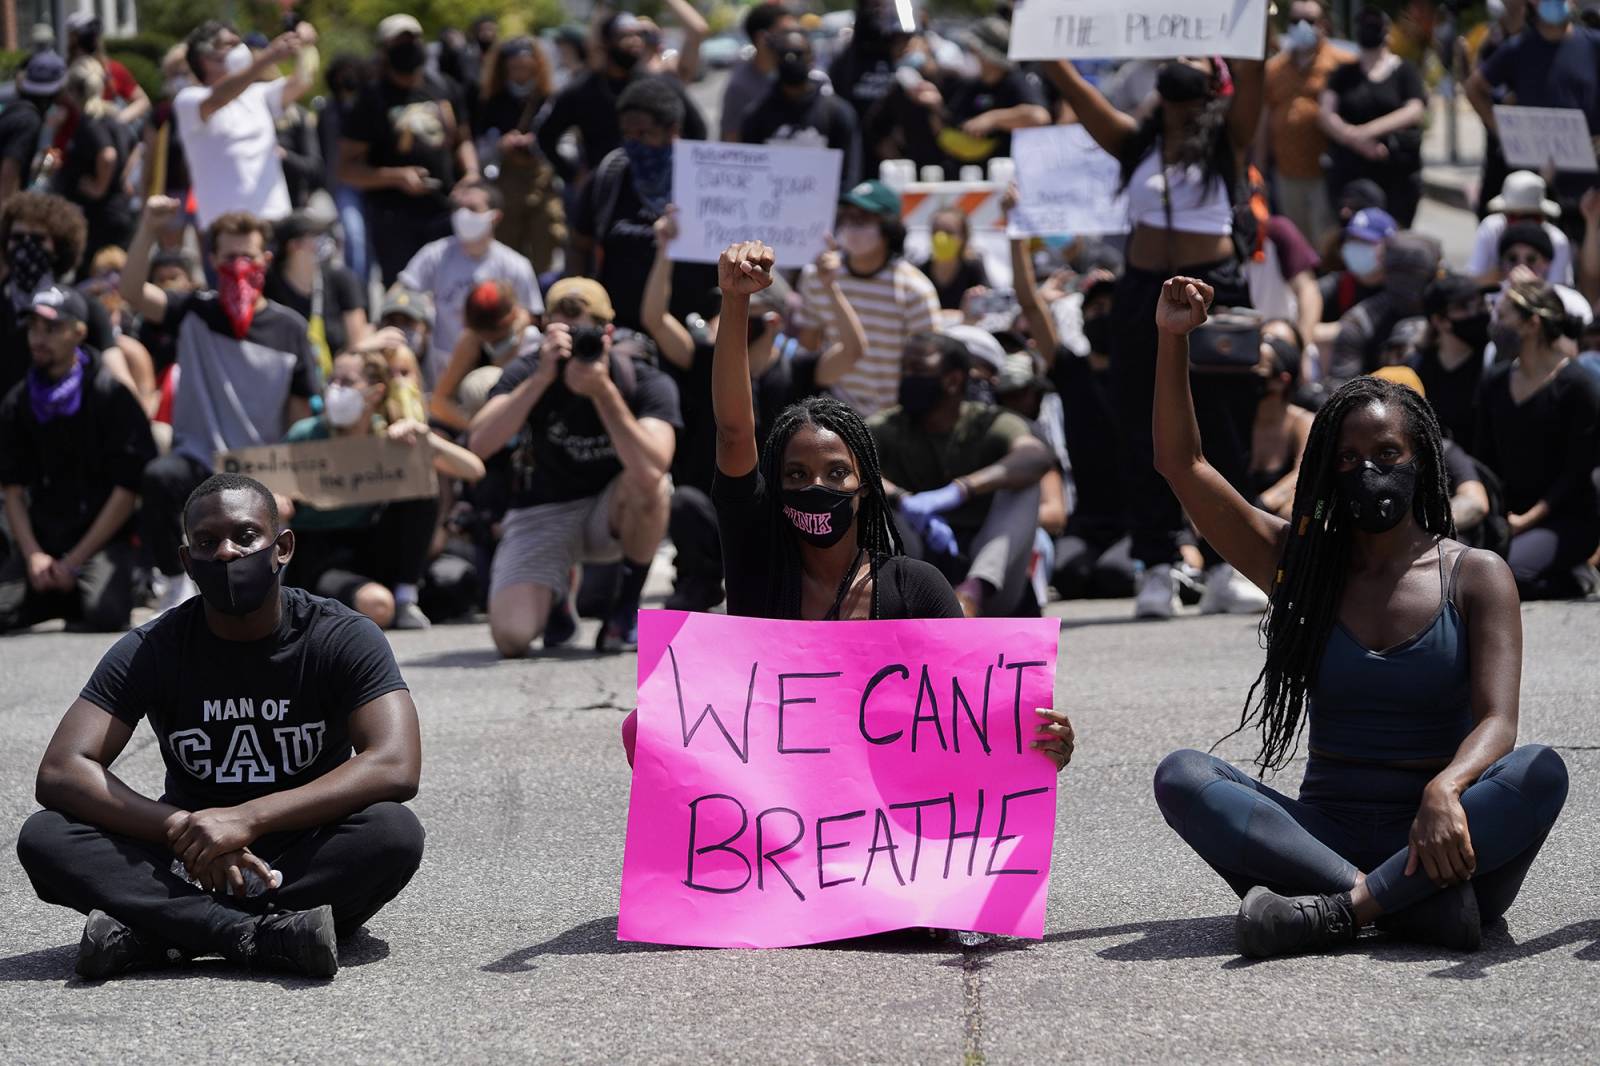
(237, 720)
(14, 357)
(1453, 393)
(341, 292)
(969, 98)
(817, 120)
(1458, 466)
(93, 136)
(969, 272)
(564, 452)
(1546, 447)
(907, 588)
(862, 77)
(790, 377)
(20, 125)
(627, 247)
(408, 127)
(71, 465)
(590, 106)
(1361, 100)
(503, 113)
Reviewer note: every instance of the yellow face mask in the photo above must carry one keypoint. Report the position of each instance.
(405, 401)
(946, 247)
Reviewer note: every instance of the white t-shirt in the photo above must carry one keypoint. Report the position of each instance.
(1486, 250)
(233, 157)
(444, 269)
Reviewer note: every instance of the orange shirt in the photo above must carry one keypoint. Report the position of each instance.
(1291, 101)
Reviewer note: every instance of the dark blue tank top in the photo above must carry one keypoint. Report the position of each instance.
(1411, 701)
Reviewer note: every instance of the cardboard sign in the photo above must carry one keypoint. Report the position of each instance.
(780, 194)
(1534, 137)
(1067, 185)
(1139, 29)
(798, 782)
(343, 472)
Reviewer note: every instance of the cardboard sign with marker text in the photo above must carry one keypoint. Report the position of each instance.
(342, 472)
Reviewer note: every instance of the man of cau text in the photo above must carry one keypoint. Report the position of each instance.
(290, 743)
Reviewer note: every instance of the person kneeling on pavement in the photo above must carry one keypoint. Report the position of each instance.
(590, 480)
(964, 477)
(73, 447)
(273, 839)
(372, 556)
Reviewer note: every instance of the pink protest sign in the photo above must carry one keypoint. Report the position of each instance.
(797, 782)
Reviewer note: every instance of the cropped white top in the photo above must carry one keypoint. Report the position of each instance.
(1198, 205)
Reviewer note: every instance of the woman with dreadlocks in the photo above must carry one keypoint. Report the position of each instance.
(1403, 650)
(1182, 171)
(807, 530)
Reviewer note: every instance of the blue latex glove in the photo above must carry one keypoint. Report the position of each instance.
(932, 502)
(939, 537)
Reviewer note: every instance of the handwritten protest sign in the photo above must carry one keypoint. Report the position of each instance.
(1067, 185)
(338, 473)
(1138, 29)
(797, 782)
(1533, 137)
(780, 194)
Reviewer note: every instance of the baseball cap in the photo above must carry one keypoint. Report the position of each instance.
(1371, 224)
(1408, 332)
(587, 291)
(396, 25)
(59, 304)
(874, 196)
(990, 39)
(81, 20)
(301, 223)
(403, 301)
(980, 344)
(1363, 193)
(44, 74)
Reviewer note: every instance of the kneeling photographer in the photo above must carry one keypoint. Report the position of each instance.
(592, 427)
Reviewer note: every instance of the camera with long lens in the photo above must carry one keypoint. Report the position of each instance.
(588, 343)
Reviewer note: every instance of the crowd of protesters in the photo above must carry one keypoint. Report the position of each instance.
(462, 244)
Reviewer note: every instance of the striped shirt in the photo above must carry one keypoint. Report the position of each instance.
(892, 304)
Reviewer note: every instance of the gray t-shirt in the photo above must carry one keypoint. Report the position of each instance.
(232, 392)
(444, 269)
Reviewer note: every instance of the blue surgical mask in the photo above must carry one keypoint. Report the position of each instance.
(1554, 12)
(1360, 258)
(1302, 36)
(651, 167)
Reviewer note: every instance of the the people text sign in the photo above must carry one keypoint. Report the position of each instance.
(1138, 29)
(798, 782)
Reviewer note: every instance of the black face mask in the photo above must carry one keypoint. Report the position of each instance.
(979, 391)
(89, 42)
(1507, 337)
(1379, 497)
(27, 260)
(621, 57)
(406, 57)
(1097, 331)
(1179, 83)
(820, 515)
(919, 394)
(237, 586)
(1473, 330)
(793, 70)
(1370, 33)
(1285, 355)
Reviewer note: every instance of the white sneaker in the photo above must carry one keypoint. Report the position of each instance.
(1230, 592)
(1158, 593)
(178, 589)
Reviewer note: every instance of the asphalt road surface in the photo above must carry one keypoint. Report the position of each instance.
(504, 947)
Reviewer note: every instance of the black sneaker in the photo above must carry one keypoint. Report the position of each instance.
(300, 942)
(1270, 924)
(108, 948)
(694, 592)
(616, 638)
(561, 626)
(1446, 919)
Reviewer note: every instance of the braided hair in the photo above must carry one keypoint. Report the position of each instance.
(875, 532)
(1311, 572)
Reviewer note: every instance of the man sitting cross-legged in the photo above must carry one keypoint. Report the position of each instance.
(272, 838)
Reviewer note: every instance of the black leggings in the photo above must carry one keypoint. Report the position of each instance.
(355, 865)
(1225, 407)
(1353, 816)
(1542, 558)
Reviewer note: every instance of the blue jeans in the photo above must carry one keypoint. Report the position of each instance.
(348, 200)
(1353, 816)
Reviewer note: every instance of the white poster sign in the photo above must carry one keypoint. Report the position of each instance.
(783, 195)
(1066, 185)
(1138, 29)
(1533, 137)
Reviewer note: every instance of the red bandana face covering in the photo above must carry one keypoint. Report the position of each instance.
(239, 285)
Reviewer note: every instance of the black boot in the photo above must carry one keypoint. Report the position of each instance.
(1446, 919)
(1270, 924)
(108, 948)
(301, 942)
